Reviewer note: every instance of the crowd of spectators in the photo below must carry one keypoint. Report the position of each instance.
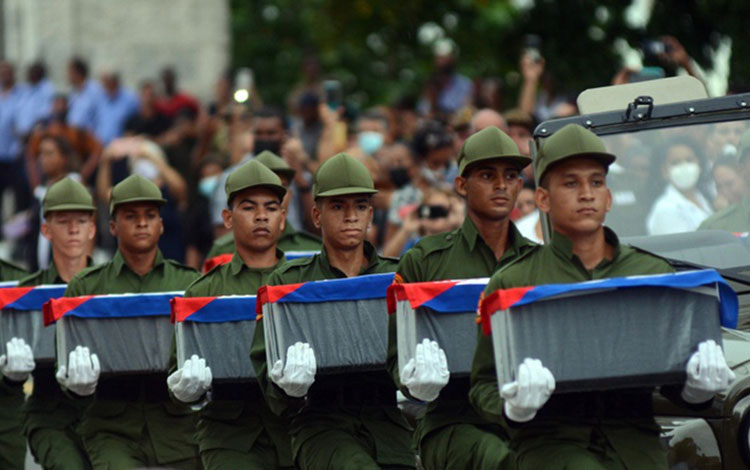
(101, 131)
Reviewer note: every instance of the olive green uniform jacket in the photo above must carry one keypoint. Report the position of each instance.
(613, 428)
(129, 413)
(347, 421)
(290, 240)
(459, 254)
(240, 424)
(12, 443)
(735, 218)
(51, 416)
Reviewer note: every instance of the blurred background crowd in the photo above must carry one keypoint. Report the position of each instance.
(307, 94)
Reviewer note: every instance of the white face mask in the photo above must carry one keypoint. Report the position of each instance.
(685, 175)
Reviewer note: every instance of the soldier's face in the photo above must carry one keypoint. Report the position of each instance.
(137, 226)
(343, 220)
(490, 189)
(257, 219)
(70, 232)
(575, 195)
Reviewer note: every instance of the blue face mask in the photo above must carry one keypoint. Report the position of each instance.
(207, 185)
(370, 141)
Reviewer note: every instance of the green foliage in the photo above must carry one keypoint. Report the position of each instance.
(374, 47)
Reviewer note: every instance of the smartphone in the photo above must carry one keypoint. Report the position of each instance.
(655, 47)
(647, 73)
(333, 94)
(532, 43)
(243, 84)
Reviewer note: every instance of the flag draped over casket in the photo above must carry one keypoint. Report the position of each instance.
(219, 330)
(609, 333)
(225, 258)
(130, 333)
(442, 311)
(21, 317)
(344, 320)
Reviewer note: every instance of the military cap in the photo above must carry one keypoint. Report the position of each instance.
(488, 144)
(743, 149)
(276, 164)
(67, 195)
(253, 174)
(342, 174)
(519, 117)
(572, 141)
(135, 188)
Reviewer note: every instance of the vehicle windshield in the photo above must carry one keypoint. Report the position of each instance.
(679, 179)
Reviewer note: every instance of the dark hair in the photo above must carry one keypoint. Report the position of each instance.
(430, 136)
(63, 145)
(80, 66)
(270, 112)
(374, 115)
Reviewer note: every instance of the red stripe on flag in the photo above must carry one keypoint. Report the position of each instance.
(217, 260)
(501, 299)
(8, 295)
(183, 307)
(273, 294)
(54, 309)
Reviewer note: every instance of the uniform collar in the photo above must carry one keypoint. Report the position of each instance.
(370, 253)
(237, 265)
(288, 230)
(52, 270)
(472, 235)
(118, 262)
(564, 247)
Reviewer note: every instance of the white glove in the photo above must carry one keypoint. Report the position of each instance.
(299, 373)
(525, 396)
(191, 381)
(82, 372)
(18, 362)
(707, 373)
(427, 372)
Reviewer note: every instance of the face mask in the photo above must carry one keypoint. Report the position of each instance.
(399, 176)
(145, 168)
(684, 175)
(370, 141)
(270, 145)
(434, 177)
(207, 185)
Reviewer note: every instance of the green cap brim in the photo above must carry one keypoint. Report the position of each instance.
(70, 207)
(518, 161)
(274, 188)
(287, 173)
(605, 159)
(346, 191)
(158, 201)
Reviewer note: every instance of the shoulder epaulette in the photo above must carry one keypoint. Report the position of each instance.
(526, 253)
(292, 263)
(179, 265)
(437, 242)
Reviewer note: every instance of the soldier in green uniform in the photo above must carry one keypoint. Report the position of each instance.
(12, 443)
(349, 421)
(132, 421)
(236, 429)
(291, 240)
(592, 430)
(51, 416)
(449, 435)
(735, 218)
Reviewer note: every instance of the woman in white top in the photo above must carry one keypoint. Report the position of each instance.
(681, 207)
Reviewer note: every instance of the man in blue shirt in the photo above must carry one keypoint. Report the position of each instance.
(11, 169)
(113, 108)
(36, 101)
(83, 97)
